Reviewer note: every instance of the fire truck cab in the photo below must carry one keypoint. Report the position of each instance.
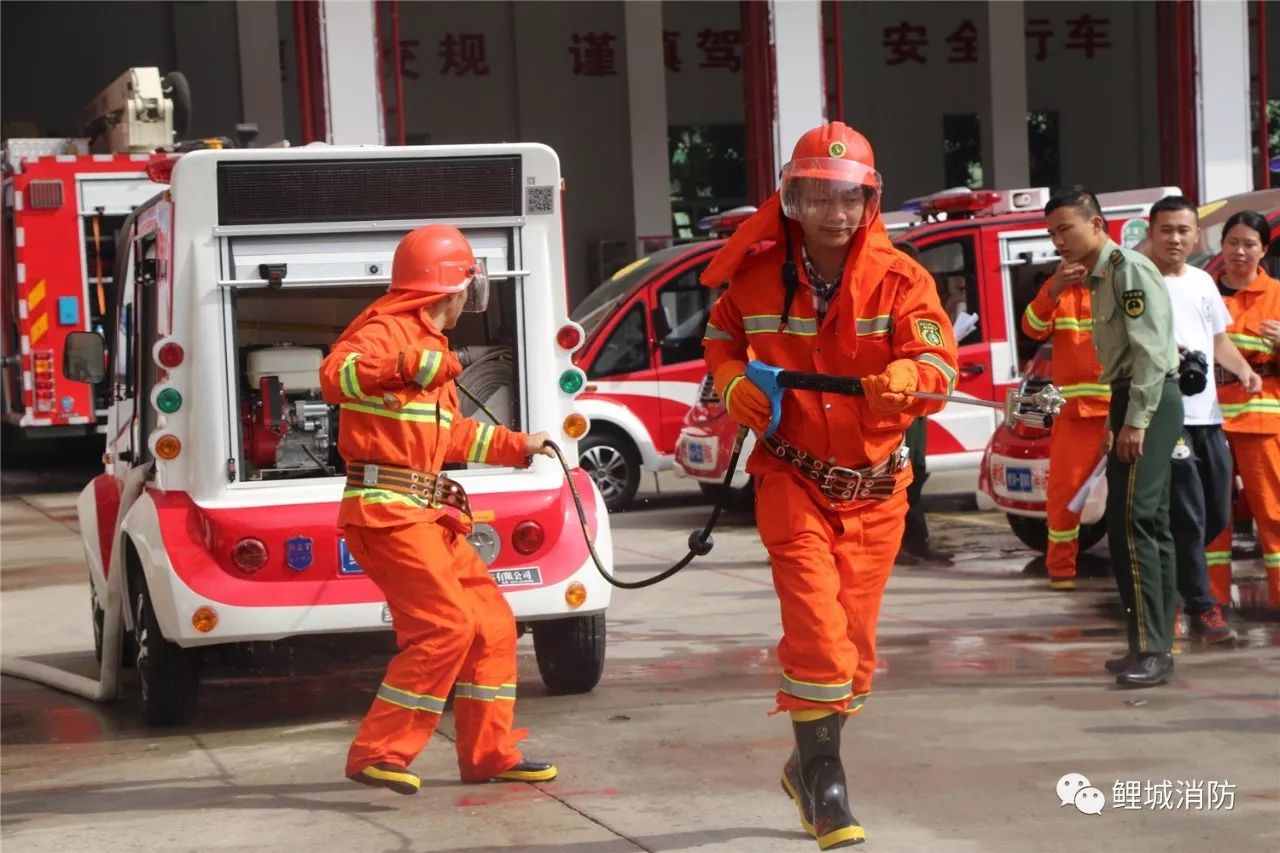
(217, 506)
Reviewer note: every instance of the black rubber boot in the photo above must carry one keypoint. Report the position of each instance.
(821, 794)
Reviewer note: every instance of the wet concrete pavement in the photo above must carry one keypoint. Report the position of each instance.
(989, 689)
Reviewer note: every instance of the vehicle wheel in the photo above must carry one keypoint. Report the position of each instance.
(1034, 532)
(613, 464)
(1091, 534)
(570, 652)
(168, 674)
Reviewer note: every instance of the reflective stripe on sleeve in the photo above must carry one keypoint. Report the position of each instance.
(947, 371)
(715, 334)
(428, 367)
(479, 449)
(409, 699)
(816, 692)
(879, 325)
(1033, 321)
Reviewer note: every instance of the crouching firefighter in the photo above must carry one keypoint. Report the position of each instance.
(815, 285)
(405, 523)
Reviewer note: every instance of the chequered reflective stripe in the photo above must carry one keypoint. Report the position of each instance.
(878, 325)
(1253, 343)
(947, 371)
(1064, 535)
(1271, 560)
(1033, 321)
(1084, 389)
(409, 699)
(479, 449)
(428, 367)
(373, 495)
(484, 692)
(756, 324)
(347, 379)
(1217, 558)
(1071, 324)
(423, 413)
(816, 692)
(715, 334)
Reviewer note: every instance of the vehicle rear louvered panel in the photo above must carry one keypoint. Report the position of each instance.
(275, 191)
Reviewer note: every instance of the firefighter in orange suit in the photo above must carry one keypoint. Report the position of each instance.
(1251, 421)
(392, 373)
(1061, 309)
(815, 285)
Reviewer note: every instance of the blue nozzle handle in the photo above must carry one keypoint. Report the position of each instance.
(772, 380)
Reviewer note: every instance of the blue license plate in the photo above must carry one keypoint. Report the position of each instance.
(1018, 479)
(347, 564)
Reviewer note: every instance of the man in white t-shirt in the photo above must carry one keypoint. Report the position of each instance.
(1200, 497)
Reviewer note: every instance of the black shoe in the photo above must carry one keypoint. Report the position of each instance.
(928, 553)
(1115, 666)
(905, 559)
(382, 775)
(823, 797)
(1148, 670)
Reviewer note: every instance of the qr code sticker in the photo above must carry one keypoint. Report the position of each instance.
(539, 200)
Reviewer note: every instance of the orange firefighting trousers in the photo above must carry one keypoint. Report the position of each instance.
(1074, 449)
(454, 630)
(1257, 459)
(829, 570)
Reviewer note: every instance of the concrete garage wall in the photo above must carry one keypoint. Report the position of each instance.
(1105, 104)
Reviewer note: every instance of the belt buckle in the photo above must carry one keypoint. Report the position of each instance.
(371, 475)
(845, 473)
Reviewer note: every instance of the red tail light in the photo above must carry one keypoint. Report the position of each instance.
(569, 337)
(527, 537)
(159, 171)
(170, 355)
(249, 555)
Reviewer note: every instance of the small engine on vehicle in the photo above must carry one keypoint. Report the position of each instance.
(287, 427)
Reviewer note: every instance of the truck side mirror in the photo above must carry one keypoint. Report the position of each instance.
(85, 358)
(661, 327)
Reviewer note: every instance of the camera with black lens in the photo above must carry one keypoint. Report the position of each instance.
(1193, 372)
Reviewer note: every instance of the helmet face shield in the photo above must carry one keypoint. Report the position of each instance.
(831, 192)
(477, 289)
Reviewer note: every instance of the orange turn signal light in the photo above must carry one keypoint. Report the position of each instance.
(575, 594)
(168, 447)
(575, 426)
(204, 620)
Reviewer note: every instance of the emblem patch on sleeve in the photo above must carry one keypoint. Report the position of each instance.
(929, 332)
(1135, 302)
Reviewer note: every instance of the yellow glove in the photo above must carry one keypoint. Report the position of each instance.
(888, 393)
(743, 399)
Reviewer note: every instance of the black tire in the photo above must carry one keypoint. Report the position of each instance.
(1034, 532)
(1091, 534)
(179, 91)
(570, 652)
(613, 463)
(169, 676)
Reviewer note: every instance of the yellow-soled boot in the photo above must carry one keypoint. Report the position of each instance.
(823, 798)
(528, 771)
(382, 775)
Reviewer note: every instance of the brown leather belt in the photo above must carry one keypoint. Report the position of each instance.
(840, 484)
(432, 490)
(1225, 377)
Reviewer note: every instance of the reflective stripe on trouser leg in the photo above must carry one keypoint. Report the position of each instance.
(434, 630)
(485, 695)
(1258, 461)
(1073, 452)
(1138, 526)
(1217, 558)
(828, 609)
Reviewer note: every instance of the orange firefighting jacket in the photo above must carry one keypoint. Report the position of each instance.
(428, 431)
(1076, 368)
(1241, 411)
(885, 309)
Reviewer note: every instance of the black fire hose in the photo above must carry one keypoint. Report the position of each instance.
(700, 541)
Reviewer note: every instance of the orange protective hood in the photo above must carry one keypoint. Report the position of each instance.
(392, 302)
